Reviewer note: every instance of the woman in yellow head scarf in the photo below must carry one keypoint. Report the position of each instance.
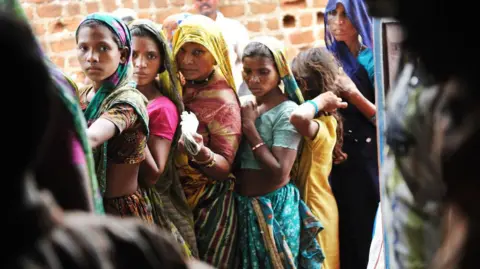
(209, 92)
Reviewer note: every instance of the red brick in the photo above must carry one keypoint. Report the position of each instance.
(144, 4)
(62, 45)
(272, 24)
(301, 37)
(49, 10)
(29, 11)
(163, 14)
(254, 26)
(128, 4)
(177, 3)
(144, 15)
(321, 33)
(37, 1)
(109, 5)
(74, 9)
(78, 76)
(58, 61)
(160, 3)
(39, 28)
(233, 10)
(92, 7)
(69, 23)
(291, 53)
(319, 3)
(280, 37)
(73, 62)
(293, 4)
(306, 19)
(262, 8)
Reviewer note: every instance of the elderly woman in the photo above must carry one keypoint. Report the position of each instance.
(209, 93)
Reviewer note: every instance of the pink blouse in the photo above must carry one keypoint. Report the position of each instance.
(163, 116)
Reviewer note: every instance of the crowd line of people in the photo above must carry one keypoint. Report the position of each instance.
(284, 168)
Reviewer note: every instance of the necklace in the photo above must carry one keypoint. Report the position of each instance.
(203, 81)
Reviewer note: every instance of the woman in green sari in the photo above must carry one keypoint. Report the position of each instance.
(115, 111)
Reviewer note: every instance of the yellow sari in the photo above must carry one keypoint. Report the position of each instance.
(218, 111)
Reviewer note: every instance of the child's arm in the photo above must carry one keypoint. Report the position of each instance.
(302, 117)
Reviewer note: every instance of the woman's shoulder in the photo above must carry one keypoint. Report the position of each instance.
(224, 93)
(287, 107)
(161, 103)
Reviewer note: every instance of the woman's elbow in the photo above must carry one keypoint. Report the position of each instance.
(94, 140)
(298, 120)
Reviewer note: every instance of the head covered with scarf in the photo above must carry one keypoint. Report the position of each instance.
(203, 30)
(357, 13)
(277, 48)
(170, 86)
(66, 91)
(116, 89)
(121, 75)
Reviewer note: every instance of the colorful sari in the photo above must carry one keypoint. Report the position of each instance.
(169, 206)
(277, 230)
(217, 108)
(66, 90)
(117, 89)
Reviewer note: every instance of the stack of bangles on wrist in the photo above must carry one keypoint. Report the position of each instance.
(208, 162)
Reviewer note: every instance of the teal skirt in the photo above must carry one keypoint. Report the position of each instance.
(278, 230)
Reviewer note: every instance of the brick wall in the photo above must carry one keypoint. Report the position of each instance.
(299, 23)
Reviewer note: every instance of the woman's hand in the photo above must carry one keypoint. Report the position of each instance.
(346, 86)
(249, 112)
(329, 102)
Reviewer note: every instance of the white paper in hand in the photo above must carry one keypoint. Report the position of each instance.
(189, 127)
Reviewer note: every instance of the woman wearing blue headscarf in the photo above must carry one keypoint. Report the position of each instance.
(348, 35)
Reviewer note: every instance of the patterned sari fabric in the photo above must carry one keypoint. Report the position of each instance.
(277, 230)
(127, 147)
(66, 91)
(118, 89)
(166, 199)
(217, 108)
(214, 207)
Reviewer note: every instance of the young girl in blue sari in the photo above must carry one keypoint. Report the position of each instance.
(348, 35)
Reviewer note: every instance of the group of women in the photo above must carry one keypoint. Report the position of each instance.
(257, 193)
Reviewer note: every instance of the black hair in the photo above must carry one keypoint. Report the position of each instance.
(93, 24)
(142, 32)
(257, 49)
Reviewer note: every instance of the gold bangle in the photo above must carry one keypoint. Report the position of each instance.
(257, 146)
(207, 161)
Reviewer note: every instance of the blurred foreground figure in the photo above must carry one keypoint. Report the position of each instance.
(432, 186)
(49, 237)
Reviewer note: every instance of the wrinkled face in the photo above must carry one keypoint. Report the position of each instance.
(340, 26)
(260, 74)
(206, 7)
(98, 53)
(146, 60)
(195, 61)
